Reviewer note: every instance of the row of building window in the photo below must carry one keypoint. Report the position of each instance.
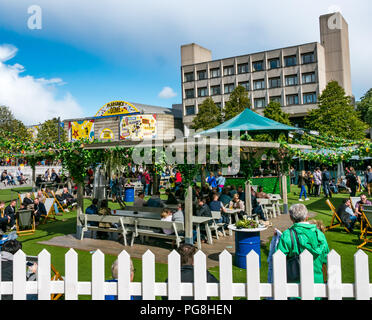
(289, 61)
(292, 99)
(291, 80)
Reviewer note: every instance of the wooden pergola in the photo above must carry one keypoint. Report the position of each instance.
(187, 145)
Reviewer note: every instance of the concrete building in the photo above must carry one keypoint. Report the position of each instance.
(294, 76)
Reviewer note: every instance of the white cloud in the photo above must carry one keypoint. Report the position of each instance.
(32, 100)
(167, 93)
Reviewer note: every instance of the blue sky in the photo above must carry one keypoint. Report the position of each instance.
(91, 52)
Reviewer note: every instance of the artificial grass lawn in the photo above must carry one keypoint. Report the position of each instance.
(345, 244)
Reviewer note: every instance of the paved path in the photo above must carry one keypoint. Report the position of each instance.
(161, 249)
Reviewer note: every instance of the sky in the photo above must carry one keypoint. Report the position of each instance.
(87, 53)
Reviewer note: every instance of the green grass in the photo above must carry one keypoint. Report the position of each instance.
(345, 244)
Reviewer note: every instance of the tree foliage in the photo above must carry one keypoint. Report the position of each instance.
(238, 101)
(48, 132)
(274, 111)
(336, 115)
(364, 106)
(8, 123)
(208, 117)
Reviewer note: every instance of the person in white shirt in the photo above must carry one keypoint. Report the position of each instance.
(166, 215)
(140, 200)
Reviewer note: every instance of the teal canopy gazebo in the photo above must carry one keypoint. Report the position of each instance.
(249, 120)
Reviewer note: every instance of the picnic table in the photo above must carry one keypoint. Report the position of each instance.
(235, 213)
(139, 214)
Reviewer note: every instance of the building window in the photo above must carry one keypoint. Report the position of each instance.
(228, 88)
(189, 76)
(228, 71)
(243, 68)
(309, 97)
(308, 58)
(258, 66)
(292, 99)
(202, 92)
(276, 99)
(274, 82)
(215, 90)
(245, 85)
(215, 73)
(274, 63)
(259, 103)
(189, 93)
(308, 77)
(259, 84)
(190, 110)
(218, 104)
(291, 80)
(290, 61)
(202, 75)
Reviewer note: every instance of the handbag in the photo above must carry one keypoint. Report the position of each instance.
(293, 263)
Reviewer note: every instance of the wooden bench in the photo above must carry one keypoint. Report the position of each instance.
(143, 209)
(143, 227)
(125, 224)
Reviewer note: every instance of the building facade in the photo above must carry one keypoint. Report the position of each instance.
(294, 76)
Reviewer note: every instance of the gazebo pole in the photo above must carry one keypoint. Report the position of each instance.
(188, 216)
(79, 209)
(33, 178)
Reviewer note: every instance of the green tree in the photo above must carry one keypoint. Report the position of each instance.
(48, 132)
(8, 123)
(239, 100)
(336, 115)
(364, 106)
(208, 117)
(274, 111)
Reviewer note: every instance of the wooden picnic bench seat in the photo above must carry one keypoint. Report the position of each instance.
(144, 209)
(124, 224)
(149, 228)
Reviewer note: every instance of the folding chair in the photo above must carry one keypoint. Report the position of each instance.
(354, 201)
(338, 222)
(21, 197)
(25, 223)
(216, 215)
(57, 202)
(49, 209)
(366, 227)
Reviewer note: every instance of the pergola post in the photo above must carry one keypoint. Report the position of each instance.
(33, 178)
(248, 202)
(285, 194)
(79, 209)
(188, 216)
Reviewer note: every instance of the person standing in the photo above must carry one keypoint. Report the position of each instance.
(211, 180)
(326, 178)
(221, 180)
(177, 180)
(368, 180)
(317, 181)
(352, 181)
(302, 184)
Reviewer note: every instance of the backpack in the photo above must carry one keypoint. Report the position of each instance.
(293, 263)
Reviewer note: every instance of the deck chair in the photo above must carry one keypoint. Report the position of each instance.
(354, 201)
(216, 215)
(25, 223)
(49, 209)
(57, 202)
(336, 220)
(366, 227)
(21, 197)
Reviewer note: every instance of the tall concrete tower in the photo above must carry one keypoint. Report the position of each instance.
(334, 36)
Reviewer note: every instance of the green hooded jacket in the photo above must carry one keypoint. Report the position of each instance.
(312, 240)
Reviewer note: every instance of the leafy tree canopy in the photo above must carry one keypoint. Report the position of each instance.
(208, 117)
(8, 123)
(239, 100)
(48, 132)
(364, 106)
(274, 111)
(336, 115)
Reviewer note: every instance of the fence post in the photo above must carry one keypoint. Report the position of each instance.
(43, 276)
(200, 276)
(334, 276)
(71, 275)
(98, 275)
(253, 276)
(148, 276)
(307, 275)
(124, 275)
(226, 279)
(174, 276)
(19, 276)
(279, 276)
(361, 276)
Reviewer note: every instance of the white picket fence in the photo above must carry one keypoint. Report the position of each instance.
(71, 287)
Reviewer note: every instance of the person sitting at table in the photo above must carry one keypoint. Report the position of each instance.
(236, 203)
(139, 201)
(27, 201)
(104, 210)
(180, 193)
(39, 210)
(346, 214)
(241, 193)
(203, 210)
(216, 205)
(333, 186)
(171, 197)
(260, 194)
(178, 215)
(155, 201)
(232, 191)
(358, 206)
(166, 215)
(224, 197)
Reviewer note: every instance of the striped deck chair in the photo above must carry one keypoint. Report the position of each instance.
(25, 223)
(366, 227)
(49, 209)
(57, 202)
(21, 197)
(336, 220)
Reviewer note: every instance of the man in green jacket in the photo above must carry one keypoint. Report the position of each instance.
(310, 239)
